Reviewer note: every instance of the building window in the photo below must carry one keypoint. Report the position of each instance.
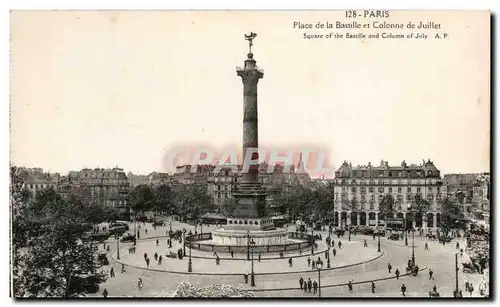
(344, 189)
(372, 206)
(381, 190)
(399, 189)
(400, 197)
(430, 189)
(418, 189)
(408, 190)
(353, 189)
(370, 189)
(431, 197)
(390, 190)
(363, 190)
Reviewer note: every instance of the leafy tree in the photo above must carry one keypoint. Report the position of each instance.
(298, 202)
(191, 200)
(163, 199)
(142, 198)
(419, 207)
(228, 207)
(50, 255)
(451, 214)
(386, 206)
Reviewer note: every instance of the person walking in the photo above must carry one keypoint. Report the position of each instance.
(105, 293)
(334, 251)
(397, 273)
(309, 284)
(217, 260)
(340, 245)
(112, 272)
(466, 285)
(290, 262)
(349, 286)
(308, 261)
(156, 256)
(430, 274)
(313, 264)
(373, 287)
(389, 267)
(365, 244)
(145, 230)
(426, 246)
(157, 242)
(457, 246)
(301, 282)
(160, 260)
(123, 268)
(259, 256)
(471, 289)
(232, 254)
(147, 262)
(140, 284)
(403, 290)
(315, 287)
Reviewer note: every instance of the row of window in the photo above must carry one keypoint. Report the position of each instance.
(387, 173)
(390, 189)
(409, 197)
(387, 181)
(41, 186)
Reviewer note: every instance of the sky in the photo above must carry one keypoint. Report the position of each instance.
(108, 88)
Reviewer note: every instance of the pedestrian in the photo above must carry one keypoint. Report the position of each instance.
(301, 282)
(349, 286)
(471, 289)
(290, 263)
(105, 293)
(426, 246)
(107, 248)
(309, 284)
(112, 272)
(313, 264)
(467, 285)
(334, 252)
(403, 290)
(365, 244)
(160, 260)
(457, 246)
(326, 254)
(147, 262)
(397, 273)
(157, 242)
(140, 284)
(308, 261)
(430, 274)
(145, 256)
(315, 287)
(145, 230)
(245, 276)
(389, 266)
(340, 245)
(123, 268)
(156, 256)
(217, 260)
(232, 254)
(373, 287)
(259, 256)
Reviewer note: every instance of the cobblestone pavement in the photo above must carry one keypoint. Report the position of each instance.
(438, 258)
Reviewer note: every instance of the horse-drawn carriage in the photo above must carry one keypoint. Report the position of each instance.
(469, 267)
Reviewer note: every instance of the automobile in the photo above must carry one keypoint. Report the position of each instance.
(103, 259)
(101, 236)
(118, 224)
(119, 230)
(394, 237)
(158, 223)
(128, 238)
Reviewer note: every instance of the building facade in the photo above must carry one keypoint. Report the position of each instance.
(359, 190)
(36, 180)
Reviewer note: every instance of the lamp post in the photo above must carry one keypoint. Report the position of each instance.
(319, 266)
(252, 275)
(328, 259)
(378, 245)
(406, 231)
(413, 246)
(190, 263)
(184, 241)
(170, 225)
(456, 273)
(117, 247)
(312, 240)
(248, 244)
(201, 227)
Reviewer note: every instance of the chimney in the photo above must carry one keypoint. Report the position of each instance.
(381, 163)
(369, 164)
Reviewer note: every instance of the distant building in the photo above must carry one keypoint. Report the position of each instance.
(136, 180)
(35, 180)
(156, 179)
(359, 190)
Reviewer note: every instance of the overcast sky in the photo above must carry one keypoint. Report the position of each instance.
(105, 89)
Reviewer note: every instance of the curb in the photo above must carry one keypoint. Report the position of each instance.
(334, 285)
(239, 274)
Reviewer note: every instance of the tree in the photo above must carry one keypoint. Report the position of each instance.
(451, 214)
(53, 259)
(163, 199)
(191, 200)
(419, 206)
(228, 207)
(386, 206)
(142, 198)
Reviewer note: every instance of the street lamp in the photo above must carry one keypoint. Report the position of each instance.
(413, 246)
(117, 247)
(252, 275)
(312, 241)
(190, 263)
(349, 219)
(248, 244)
(378, 245)
(456, 273)
(319, 266)
(184, 241)
(328, 259)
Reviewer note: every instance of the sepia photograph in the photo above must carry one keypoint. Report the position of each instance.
(250, 154)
